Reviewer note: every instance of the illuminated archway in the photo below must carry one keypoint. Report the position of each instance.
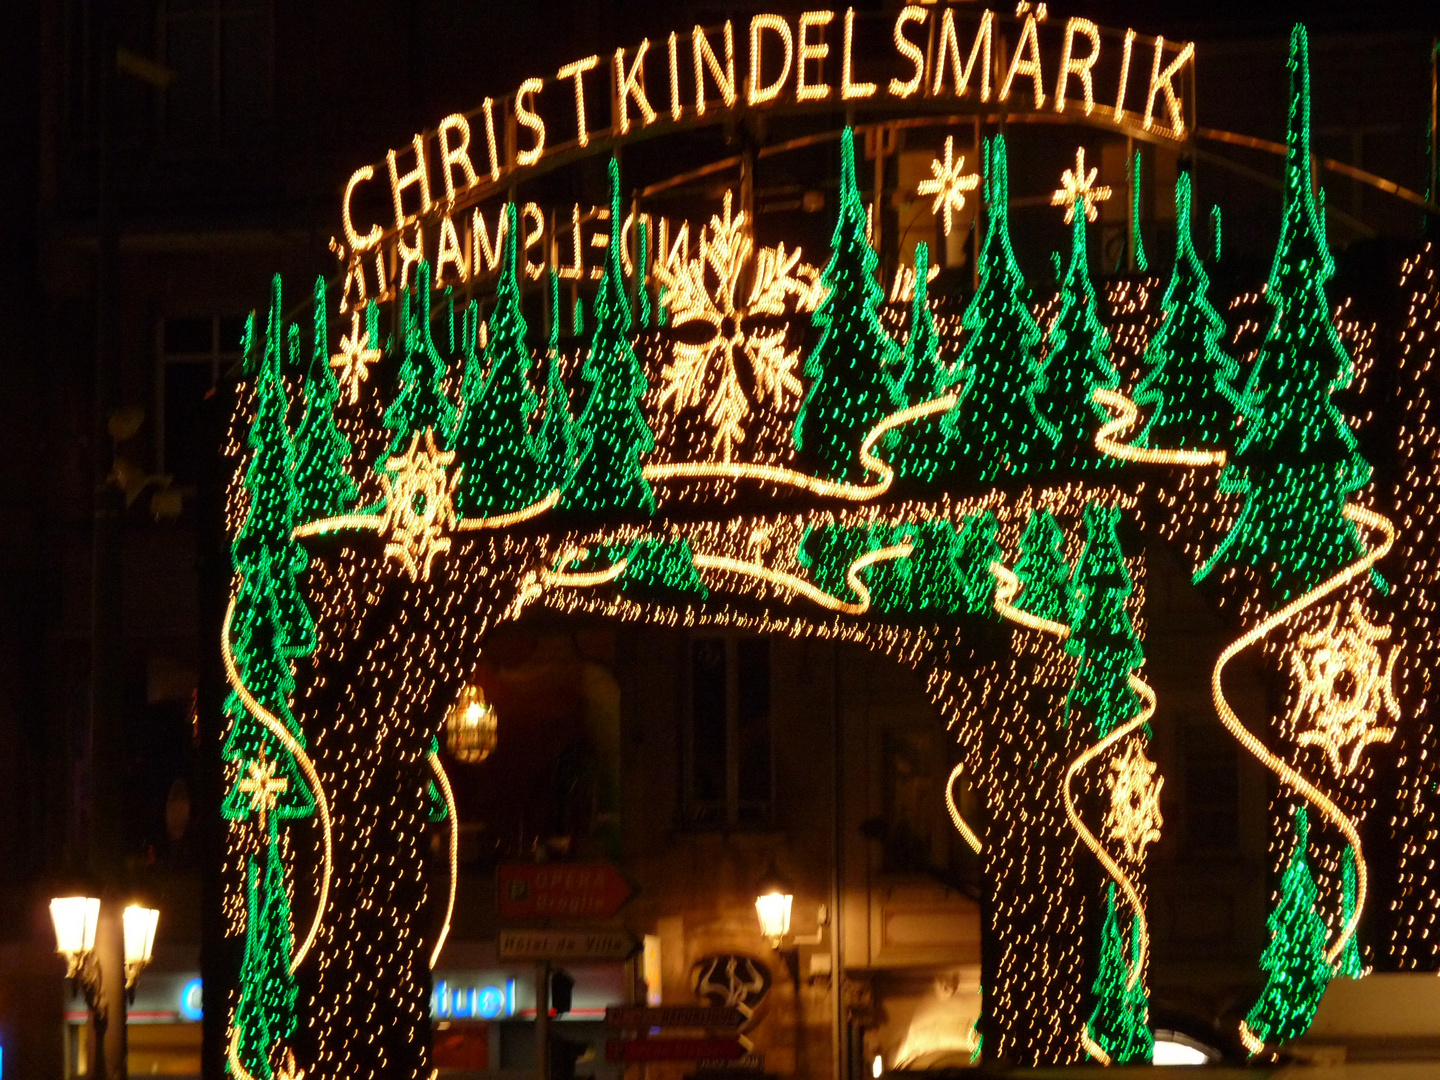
(739, 438)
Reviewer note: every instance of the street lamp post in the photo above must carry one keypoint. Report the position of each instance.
(76, 920)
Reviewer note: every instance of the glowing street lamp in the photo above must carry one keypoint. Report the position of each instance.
(471, 726)
(140, 923)
(75, 919)
(772, 906)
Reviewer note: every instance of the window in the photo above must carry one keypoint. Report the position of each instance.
(728, 779)
(220, 51)
(193, 352)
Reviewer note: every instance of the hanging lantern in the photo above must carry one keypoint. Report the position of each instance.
(470, 727)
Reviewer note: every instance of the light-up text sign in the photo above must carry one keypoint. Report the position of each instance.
(946, 56)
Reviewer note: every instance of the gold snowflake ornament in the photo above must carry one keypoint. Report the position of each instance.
(716, 332)
(263, 786)
(352, 362)
(1134, 820)
(419, 504)
(1079, 188)
(948, 183)
(1345, 686)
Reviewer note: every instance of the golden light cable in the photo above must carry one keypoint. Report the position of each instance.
(960, 826)
(779, 474)
(1147, 710)
(444, 781)
(322, 804)
(1367, 519)
(1126, 414)
(1007, 588)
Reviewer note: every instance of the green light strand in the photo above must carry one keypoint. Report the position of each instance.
(325, 486)
(613, 434)
(1215, 232)
(1137, 239)
(1296, 970)
(1189, 380)
(848, 372)
(642, 264)
(924, 377)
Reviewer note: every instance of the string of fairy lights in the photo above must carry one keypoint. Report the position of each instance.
(847, 490)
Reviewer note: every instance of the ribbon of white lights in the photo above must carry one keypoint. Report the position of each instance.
(1094, 1049)
(963, 829)
(1125, 416)
(834, 489)
(380, 521)
(1007, 587)
(798, 585)
(1368, 519)
(1147, 710)
(1105, 443)
(444, 781)
(322, 804)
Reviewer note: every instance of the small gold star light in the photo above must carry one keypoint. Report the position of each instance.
(1080, 187)
(947, 183)
(1133, 819)
(1345, 685)
(353, 360)
(263, 786)
(419, 504)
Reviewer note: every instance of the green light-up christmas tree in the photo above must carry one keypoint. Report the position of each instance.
(850, 370)
(265, 1013)
(492, 440)
(422, 401)
(264, 543)
(924, 377)
(1294, 961)
(556, 439)
(1077, 363)
(1349, 963)
(657, 567)
(1188, 389)
(1297, 460)
(977, 550)
(324, 485)
(612, 435)
(994, 427)
(828, 551)
(936, 584)
(1101, 633)
(1043, 572)
(1120, 1024)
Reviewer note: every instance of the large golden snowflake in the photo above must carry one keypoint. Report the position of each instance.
(1133, 819)
(419, 504)
(714, 315)
(1345, 685)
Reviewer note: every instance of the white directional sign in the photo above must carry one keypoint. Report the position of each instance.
(566, 944)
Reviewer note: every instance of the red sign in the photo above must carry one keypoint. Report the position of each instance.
(640, 1018)
(561, 890)
(672, 1049)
